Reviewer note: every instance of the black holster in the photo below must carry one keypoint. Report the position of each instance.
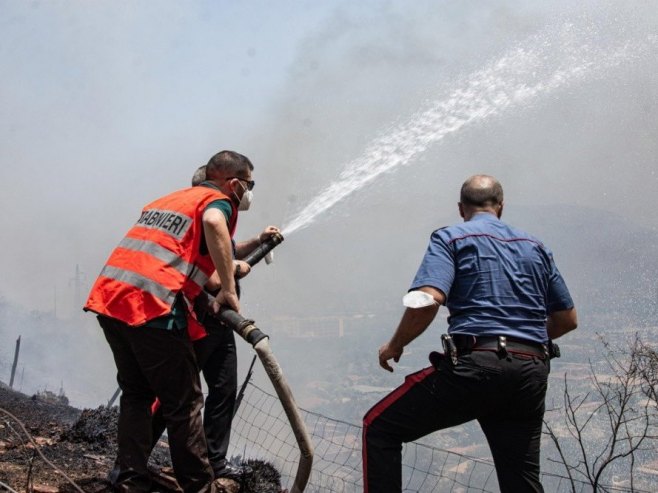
(553, 350)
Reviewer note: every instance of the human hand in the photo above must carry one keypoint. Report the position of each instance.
(267, 232)
(241, 268)
(226, 298)
(387, 352)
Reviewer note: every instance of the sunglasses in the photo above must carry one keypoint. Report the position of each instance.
(250, 183)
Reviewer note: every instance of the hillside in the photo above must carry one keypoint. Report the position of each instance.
(41, 427)
(54, 448)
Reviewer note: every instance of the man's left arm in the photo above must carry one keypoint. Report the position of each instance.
(413, 323)
(561, 313)
(244, 248)
(560, 322)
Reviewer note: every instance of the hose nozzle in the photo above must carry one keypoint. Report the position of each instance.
(263, 249)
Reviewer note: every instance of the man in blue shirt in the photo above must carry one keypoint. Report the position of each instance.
(507, 301)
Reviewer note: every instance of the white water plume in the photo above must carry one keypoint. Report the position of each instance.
(546, 62)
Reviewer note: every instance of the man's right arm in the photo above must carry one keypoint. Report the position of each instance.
(435, 276)
(413, 323)
(560, 322)
(218, 240)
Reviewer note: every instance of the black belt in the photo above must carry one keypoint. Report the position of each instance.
(500, 344)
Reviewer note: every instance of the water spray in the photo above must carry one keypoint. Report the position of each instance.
(553, 59)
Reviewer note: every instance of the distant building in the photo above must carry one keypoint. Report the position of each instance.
(315, 327)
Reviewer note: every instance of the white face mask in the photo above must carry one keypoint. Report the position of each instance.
(245, 201)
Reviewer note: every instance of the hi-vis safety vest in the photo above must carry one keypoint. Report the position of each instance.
(159, 258)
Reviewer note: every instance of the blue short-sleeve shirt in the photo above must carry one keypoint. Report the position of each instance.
(498, 280)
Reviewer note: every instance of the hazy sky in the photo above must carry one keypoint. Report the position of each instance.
(107, 105)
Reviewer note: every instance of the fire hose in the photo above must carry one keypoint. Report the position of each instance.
(248, 330)
(260, 342)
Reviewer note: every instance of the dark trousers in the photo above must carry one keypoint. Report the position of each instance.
(505, 394)
(156, 362)
(218, 360)
(216, 356)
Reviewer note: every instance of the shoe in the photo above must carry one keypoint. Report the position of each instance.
(233, 472)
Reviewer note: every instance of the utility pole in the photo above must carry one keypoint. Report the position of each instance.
(77, 289)
(13, 367)
(110, 403)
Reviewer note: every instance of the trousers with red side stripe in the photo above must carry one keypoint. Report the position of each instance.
(505, 393)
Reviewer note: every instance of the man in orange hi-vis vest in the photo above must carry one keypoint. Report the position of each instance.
(217, 358)
(143, 298)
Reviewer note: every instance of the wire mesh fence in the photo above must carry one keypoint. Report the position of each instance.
(261, 430)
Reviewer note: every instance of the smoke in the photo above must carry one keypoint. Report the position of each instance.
(553, 60)
(581, 137)
(108, 105)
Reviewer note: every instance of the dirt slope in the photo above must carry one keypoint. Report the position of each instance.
(81, 446)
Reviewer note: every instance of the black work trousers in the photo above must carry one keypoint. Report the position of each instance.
(217, 357)
(156, 362)
(218, 361)
(505, 394)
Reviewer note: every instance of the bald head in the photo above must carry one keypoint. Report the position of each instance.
(481, 193)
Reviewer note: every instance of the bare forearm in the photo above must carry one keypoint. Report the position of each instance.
(559, 323)
(413, 323)
(244, 248)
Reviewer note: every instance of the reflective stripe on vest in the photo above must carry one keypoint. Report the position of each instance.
(192, 272)
(198, 277)
(159, 252)
(159, 257)
(139, 281)
(168, 257)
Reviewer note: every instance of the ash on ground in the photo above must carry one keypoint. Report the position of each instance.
(95, 427)
(82, 446)
(264, 478)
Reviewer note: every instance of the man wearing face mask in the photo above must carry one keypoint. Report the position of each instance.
(143, 298)
(216, 351)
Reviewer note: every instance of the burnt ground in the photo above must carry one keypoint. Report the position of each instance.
(47, 422)
(80, 445)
